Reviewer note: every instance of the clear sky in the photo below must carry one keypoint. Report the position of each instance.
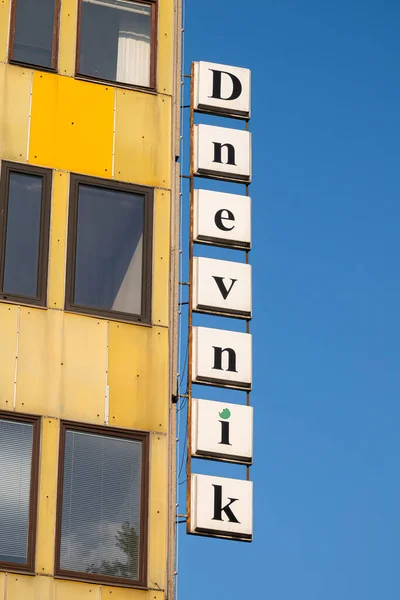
(326, 301)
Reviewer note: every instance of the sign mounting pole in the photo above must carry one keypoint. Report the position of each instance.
(190, 311)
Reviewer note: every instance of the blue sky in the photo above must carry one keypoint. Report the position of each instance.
(326, 291)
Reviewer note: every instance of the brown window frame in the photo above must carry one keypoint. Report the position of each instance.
(44, 233)
(153, 51)
(54, 53)
(147, 270)
(35, 420)
(140, 436)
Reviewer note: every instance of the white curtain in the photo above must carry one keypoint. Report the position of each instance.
(129, 296)
(133, 64)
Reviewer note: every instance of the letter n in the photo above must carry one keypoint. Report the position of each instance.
(218, 352)
(230, 151)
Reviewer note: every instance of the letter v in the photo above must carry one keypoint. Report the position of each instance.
(221, 286)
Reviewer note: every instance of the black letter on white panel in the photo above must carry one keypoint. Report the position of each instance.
(218, 352)
(218, 153)
(221, 286)
(217, 80)
(219, 217)
(219, 509)
(225, 427)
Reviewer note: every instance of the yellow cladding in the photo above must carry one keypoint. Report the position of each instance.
(63, 363)
(23, 587)
(4, 31)
(158, 510)
(8, 326)
(58, 240)
(143, 138)
(47, 496)
(138, 376)
(161, 257)
(67, 42)
(165, 46)
(72, 125)
(15, 97)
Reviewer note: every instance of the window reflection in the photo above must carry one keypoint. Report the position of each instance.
(115, 40)
(23, 234)
(109, 250)
(100, 528)
(34, 28)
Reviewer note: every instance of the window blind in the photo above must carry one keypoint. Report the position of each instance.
(15, 483)
(100, 522)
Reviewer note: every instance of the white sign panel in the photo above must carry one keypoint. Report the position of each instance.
(222, 89)
(222, 152)
(222, 219)
(221, 286)
(221, 357)
(222, 431)
(221, 507)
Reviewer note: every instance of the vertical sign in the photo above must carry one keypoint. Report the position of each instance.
(217, 506)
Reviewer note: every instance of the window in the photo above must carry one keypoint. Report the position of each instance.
(102, 509)
(34, 33)
(25, 197)
(19, 457)
(117, 40)
(109, 249)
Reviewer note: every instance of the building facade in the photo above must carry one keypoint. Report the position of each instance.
(89, 137)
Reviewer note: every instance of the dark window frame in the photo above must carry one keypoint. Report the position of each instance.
(147, 264)
(44, 234)
(153, 51)
(56, 41)
(29, 567)
(139, 436)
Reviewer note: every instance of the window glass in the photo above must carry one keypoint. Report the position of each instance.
(115, 41)
(100, 522)
(34, 28)
(22, 234)
(15, 482)
(109, 249)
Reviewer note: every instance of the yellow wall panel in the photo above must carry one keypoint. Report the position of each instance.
(138, 376)
(165, 46)
(161, 258)
(5, 7)
(8, 345)
(20, 587)
(32, 361)
(115, 593)
(72, 125)
(15, 94)
(68, 23)
(143, 138)
(39, 376)
(59, 217)
(158, 510)
(67, 590)
(84, 368)
(23, 587)
(47, 497)
(2, 585)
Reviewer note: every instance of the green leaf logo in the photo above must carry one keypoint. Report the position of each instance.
(225, 414)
